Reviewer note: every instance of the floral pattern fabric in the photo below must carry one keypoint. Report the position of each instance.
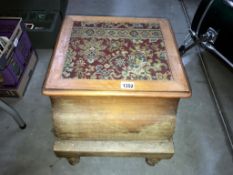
(119, 51)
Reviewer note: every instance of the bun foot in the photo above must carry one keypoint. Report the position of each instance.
(73, 160)
(152, 161)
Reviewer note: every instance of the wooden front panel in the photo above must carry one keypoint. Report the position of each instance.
(114, 118)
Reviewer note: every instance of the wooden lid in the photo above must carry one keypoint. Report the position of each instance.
(116, 56)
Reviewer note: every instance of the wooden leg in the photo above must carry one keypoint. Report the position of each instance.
(152, 161)
(73, 160)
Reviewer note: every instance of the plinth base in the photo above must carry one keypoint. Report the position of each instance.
(153, 151)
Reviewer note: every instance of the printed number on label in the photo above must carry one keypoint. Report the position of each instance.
(127, 85)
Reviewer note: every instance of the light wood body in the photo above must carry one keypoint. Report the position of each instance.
(99, 118)
(114, 118)
(114, 126)
(153, 151)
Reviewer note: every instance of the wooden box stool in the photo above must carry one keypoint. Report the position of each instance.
(115, 84)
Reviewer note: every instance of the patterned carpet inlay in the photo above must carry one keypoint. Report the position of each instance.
(124, 51)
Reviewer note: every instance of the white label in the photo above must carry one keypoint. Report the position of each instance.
(15, 43)
(127, 85)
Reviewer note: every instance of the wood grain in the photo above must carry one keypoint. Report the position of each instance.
(151, 149)
(55, 85)
(167, 94)
(114, 118)
(98, 118)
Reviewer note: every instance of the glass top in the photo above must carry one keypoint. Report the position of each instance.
(116, 51)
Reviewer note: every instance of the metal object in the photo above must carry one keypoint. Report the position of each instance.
(211, 48)
(15, 115)
(211, 27)
(206, 40)
(208, 37)
(229, 3)
(223, 120)
(203, 16)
